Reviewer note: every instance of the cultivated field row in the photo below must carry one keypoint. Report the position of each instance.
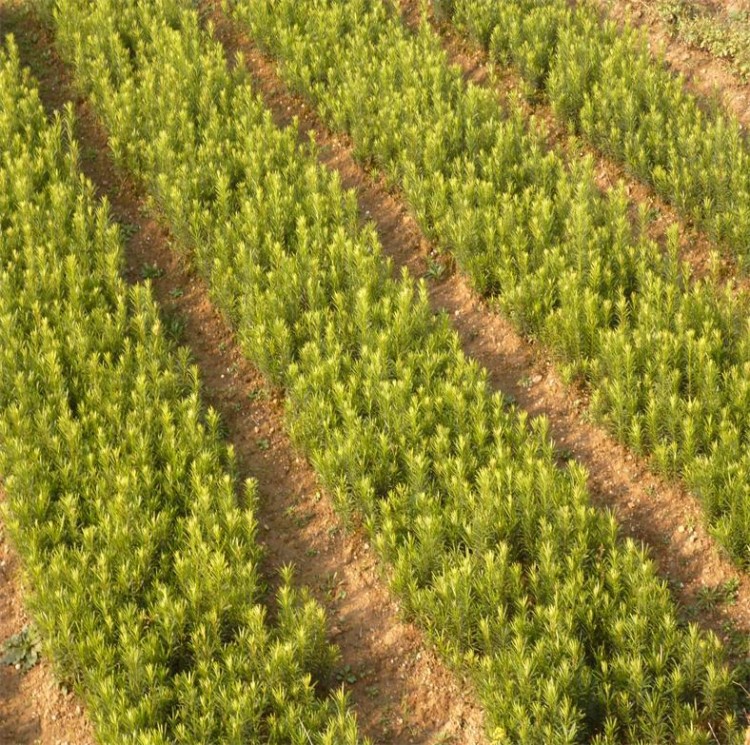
(706, 256)
(604, 82)
(707, 75)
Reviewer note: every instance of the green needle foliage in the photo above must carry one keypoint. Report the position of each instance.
(667, 356)
(611, 89)
(566, 629)
(122, 502)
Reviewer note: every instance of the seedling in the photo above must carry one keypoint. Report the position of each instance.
(346, 675)
(723, 594)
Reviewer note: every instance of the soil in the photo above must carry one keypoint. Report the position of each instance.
(663, 516)
(403, 693)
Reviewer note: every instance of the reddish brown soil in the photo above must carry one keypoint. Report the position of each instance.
(662, 515)
(403, 692)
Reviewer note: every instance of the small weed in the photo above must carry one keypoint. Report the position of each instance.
(299, 520)
(151, 271)
(22, 650)
(128, 229)
(446, 738)
(435, 269)
(263, 443)
(725, 593)
(332, 587)
(174, 325)
(257, 394)
(346, 675)
(176, 292)
(89, 153)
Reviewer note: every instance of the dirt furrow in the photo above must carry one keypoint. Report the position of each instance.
(663, 515)
(401, 691)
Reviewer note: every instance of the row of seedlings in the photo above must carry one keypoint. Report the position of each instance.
(605, 83)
